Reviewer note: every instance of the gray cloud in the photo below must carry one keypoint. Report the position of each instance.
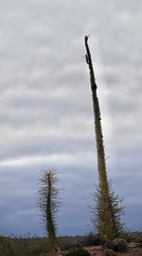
(46, 109)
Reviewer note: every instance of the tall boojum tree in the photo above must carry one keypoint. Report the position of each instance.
(108, 211)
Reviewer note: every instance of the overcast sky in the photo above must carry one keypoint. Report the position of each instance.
(46, 118)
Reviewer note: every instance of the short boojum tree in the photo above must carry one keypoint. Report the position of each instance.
(49, 205)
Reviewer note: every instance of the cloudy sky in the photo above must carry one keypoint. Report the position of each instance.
(46, 116)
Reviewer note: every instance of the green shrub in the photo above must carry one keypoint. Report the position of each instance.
(93, 239)
(68, 244)
(31, 246)
(41, 246)
(8, 248)
(78, 252)
(109, 252)
(120, 245)
(127, 235)
(117, 245)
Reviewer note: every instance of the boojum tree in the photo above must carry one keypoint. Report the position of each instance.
(49, 205)
(108, 211)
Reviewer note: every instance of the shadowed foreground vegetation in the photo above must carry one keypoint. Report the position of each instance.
(77, 246)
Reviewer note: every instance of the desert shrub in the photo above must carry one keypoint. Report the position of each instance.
(93, 239)
(120, 245)
(117, 245)
(32, 246)
(109, 252)
(70, 243)
(78, 252)
(42, 246)
(67, 245)
(108, 245)
(8, 248)
(127, 236)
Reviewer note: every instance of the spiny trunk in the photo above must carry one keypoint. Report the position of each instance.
(49, 205)
(107, 219)
(50, 222)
